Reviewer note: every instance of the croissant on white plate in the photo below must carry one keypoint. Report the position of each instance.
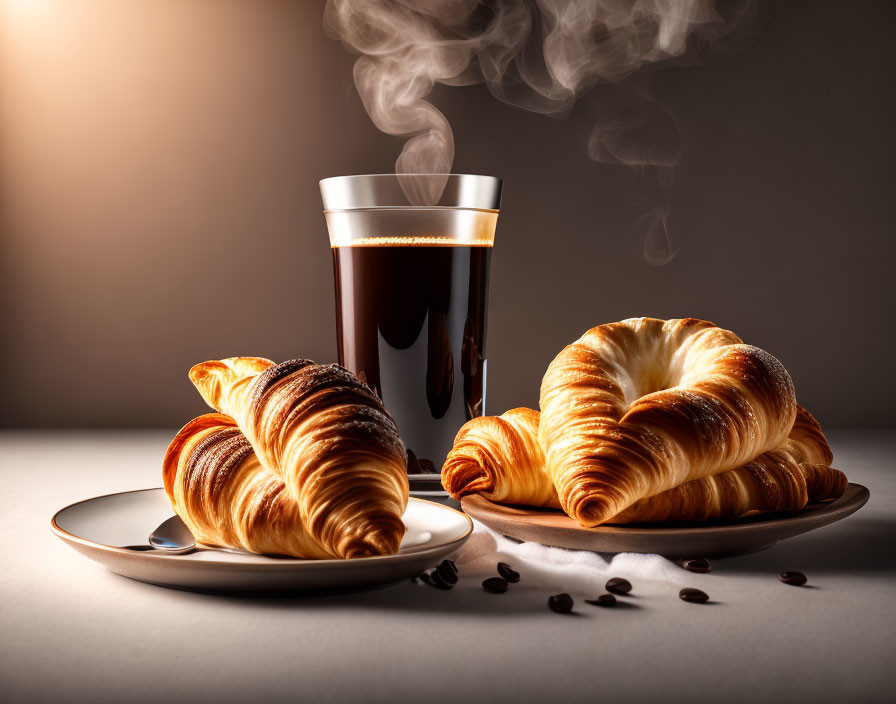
(327, 437)
(638, 407)
(499, 459)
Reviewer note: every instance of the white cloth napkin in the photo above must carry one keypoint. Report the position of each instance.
(560, 570)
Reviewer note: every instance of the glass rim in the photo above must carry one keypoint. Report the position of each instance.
(391, 191)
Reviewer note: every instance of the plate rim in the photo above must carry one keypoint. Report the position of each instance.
(278, 563)
(651, 529)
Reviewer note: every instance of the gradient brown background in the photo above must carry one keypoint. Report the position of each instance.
(159, 206)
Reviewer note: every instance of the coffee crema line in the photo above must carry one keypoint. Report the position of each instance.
(431, 241)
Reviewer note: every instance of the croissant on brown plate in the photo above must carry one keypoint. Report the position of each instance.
(511, 471)
(315, 437)
(634, 408)
(652, 421)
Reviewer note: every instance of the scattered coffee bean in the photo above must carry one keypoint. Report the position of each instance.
(618, 585)
(452, 563)
(602, 600)
(447, 572)
(560, 603)
(495, 585)
(433, 579)
(695, 596)
(699, 565)
(797, 579)
(426, 466)
(508, 573)
(438, 581)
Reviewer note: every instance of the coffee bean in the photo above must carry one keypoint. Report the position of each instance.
(495, 585)
(797, 579)
(618, 585)
(560, 603)
(508, 573)
(695, 596)
(447, 572)
(439, 581)
(426, 466)
(699, 565)
(413, 467)
(426, 579)
(602, 600)
(452, 563)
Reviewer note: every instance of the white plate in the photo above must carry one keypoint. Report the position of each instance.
(101, 528)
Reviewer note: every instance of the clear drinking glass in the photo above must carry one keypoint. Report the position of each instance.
(412, 298)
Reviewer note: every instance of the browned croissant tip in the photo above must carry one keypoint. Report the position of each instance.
(594, 506)
(200, 371)
(823, 482)
(204, 369)
(462, 476)
(381, 541)
(807, 430)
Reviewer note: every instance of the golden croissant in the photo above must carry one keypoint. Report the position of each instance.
(783, 479)
(638, 407)
(329, 439)
(499, 459)
(219, 488)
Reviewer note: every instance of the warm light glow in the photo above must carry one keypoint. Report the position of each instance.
(24, 23)
(24, 10)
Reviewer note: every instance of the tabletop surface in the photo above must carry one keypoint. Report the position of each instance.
(72, 631)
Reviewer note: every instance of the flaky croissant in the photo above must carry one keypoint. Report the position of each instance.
(638, 407)
(499, 457)
(502, 462)
(783, 479)
(219, 488)
(329, 439)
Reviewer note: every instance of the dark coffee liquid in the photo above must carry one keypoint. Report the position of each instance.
(411, 323)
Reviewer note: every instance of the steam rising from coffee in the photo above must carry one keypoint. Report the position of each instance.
(540, 55)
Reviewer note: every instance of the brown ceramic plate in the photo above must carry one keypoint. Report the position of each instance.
(710, 538)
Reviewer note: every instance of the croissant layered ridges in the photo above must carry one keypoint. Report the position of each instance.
(823, 482)
(500, 458)
(635, 408)
(783, 479)
(329, 439)
(218, 487)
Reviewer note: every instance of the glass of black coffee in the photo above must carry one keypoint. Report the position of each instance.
(411, 257)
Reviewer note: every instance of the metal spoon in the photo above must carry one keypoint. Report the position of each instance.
(173, 536)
